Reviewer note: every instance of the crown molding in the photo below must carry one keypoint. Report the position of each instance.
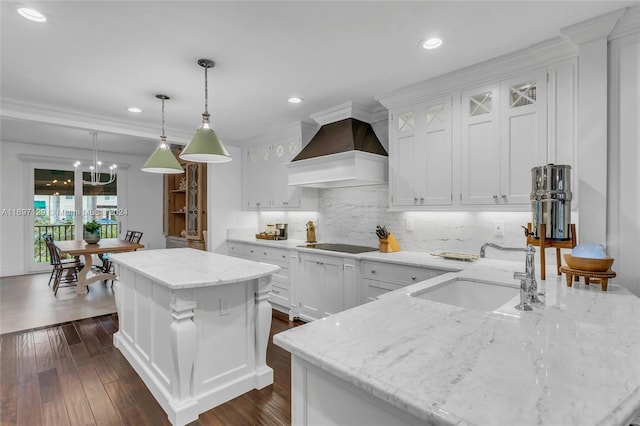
(628, 24)
(593, 29)
(19, 110)
(535, 56)
(349, 109)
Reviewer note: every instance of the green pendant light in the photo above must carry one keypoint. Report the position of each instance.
(162, 160)
(205, 147)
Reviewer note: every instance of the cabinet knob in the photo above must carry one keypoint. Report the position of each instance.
(265, 253)
(415, 199)
(251, 251)
(413, 278)
(421, 200)
(373, 271)
(284, 257)
(320, 263)
(504, 197)
(495, 198)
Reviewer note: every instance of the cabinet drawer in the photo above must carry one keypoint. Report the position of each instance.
(374, 288)
(399, 274)
(275, 256)
(279, 295)
(245, 251)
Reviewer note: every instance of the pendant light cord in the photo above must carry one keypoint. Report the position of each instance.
(163, 119)
(206, 91)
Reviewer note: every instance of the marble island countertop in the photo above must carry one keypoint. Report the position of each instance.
(186, 267)
(573, 361)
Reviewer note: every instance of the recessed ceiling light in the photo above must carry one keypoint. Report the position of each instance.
(432, 43)
(134, 109)
(295, 100)
(31, 14)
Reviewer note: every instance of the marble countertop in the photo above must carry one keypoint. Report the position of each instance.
(573, 361)
(413, 258)
(187, 268)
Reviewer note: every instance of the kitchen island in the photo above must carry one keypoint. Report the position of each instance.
(194, 325)
(403, 360)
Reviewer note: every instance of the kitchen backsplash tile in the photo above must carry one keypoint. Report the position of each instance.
(350, 215)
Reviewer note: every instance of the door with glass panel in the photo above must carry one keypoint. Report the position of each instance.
(62, 202)
(54, 209)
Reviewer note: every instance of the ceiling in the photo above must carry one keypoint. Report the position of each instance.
(92, 59)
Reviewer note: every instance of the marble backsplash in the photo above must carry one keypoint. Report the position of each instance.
(350, 215)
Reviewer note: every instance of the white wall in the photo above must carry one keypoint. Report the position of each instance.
(224, 200)
(142, 197)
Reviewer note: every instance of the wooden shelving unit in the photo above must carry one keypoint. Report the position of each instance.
(185, 203)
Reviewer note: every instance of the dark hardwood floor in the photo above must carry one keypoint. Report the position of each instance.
(71, 374)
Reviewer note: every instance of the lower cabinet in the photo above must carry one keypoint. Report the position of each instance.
(312, 286)
(381, 277)
(280, 281)
(324, 285)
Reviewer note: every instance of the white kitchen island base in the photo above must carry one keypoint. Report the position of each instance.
(194, 325)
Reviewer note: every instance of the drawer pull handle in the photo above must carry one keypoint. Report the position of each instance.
(320, 263)
(275, 291)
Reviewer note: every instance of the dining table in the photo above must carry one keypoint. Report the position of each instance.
(81, 248)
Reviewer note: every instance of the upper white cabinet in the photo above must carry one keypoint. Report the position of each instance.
(503, 135)
(266, 175)
(421, 154)
(467, 140)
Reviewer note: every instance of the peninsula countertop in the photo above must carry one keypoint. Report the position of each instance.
(186, 267)
(573, 361)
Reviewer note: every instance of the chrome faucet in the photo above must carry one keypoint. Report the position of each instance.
(528, 284)
(495, 246)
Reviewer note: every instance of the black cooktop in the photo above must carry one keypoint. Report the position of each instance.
(343, 248)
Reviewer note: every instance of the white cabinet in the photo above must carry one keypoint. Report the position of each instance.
(503, 135)
(266, 175)
(381, 277)
(280, 281)
(421, 155)
(242, 250)
(475, 148)
(324, 285)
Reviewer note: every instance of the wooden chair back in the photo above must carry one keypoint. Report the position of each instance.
(133, 236)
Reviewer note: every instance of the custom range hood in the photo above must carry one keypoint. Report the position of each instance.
(344, 152)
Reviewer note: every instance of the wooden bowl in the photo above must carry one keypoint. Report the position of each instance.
(587, 264)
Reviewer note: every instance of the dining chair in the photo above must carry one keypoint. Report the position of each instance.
(131, 236)
(60, 266)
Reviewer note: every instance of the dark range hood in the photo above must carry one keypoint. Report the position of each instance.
(345, 135)
(344, 152)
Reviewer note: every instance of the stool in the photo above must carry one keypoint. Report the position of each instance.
(603, 277)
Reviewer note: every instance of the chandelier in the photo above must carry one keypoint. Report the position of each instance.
(94, 170)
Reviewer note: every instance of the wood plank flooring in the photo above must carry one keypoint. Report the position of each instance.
(71, 374)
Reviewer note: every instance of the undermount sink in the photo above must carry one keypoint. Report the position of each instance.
(470, 294)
